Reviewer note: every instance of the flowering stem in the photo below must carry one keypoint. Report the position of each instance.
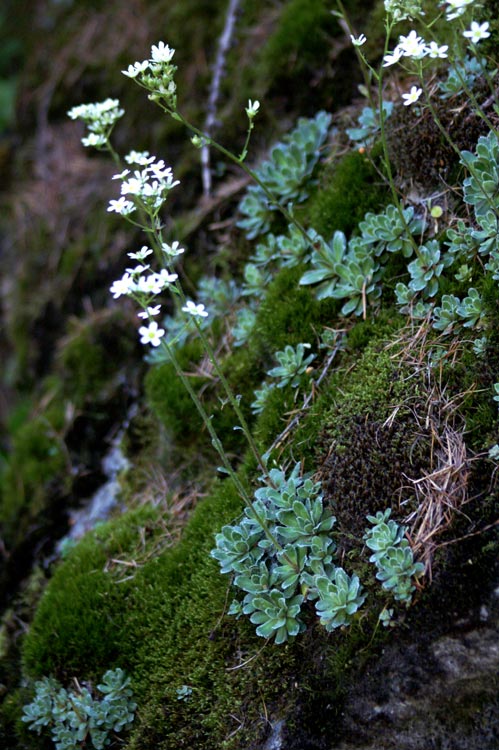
(239, 160)
(214, 361)
(384, 143)
(454, 145)
(217, 444)
(244, 152)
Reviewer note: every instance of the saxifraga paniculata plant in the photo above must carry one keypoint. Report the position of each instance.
(77, 719)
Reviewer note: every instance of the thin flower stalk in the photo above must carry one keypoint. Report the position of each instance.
(217, 444)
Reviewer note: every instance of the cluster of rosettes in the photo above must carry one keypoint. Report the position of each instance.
(149, 185)
(99, 118)
(156, 75)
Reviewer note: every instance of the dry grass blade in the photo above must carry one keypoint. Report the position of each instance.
(443, 491)
(441, 494)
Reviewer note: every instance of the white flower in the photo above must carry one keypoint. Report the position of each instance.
(142, 158)
(133, 186)
(121, 175)
(76, 112)
(412, 96)
(456, 8)
(173, 249)
(358, 41)
(150, 312)
(141, 254)
(392, 57)
(122, 286)
(151, 334)
(121, 206)
(94, 139)
(137, 270)
(151, 284)
(412, 45)
(477, 32)
(133, 70)
(167, 278)
(252, 108)
(434, 51)
(193, 309)
(160, 172)
(161, 52)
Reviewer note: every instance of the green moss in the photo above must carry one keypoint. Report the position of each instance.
(83, 608)
(84, 365)
(348, 190)
(364, 380)
(36, 465)
(171, 403)
(289, 314)
(166, 628)
(302, 37)
(364, 332)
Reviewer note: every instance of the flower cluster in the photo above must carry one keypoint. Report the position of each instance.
(135, 282)
(99, 118)
(144, 285)
(150, 185)
(402, 9)
(156, 75)
(415, 47)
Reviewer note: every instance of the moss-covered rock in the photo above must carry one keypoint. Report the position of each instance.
(87, 371)
(289, 314)
(349, 188)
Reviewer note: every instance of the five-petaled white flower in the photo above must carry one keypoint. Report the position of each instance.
(477, 32)
(121, 206)
(196, 310)
(167, 278)
(151, 284)
(122, 286)
(252, 108)
(392, 57)
(141, 254)
(137, 270)
(359, 40)
(173, 249)
(150, 312)
(412, 45)
(434, 51)
(161, 52)
(151, 334)
(94, 139)
(133, 70)
(412, 96)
